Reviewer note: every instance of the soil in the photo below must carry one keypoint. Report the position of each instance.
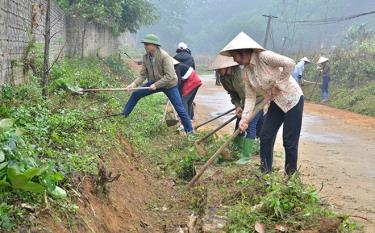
(336, 151)
(139, 201)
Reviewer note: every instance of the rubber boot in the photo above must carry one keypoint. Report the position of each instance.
(247, 151)
(238, 142)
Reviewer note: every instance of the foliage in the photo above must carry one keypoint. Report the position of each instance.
(19, 169)
(357, 34)
(352, 74)
(276, 200)
(73, 74)
(120, 15)
(43, 143)
(186, 168)
(117, 67)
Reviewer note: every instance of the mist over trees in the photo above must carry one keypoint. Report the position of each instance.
(209, 24)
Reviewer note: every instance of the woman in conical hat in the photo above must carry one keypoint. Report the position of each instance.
(299, 69)
(223, 64)
(324, 69)
(270, 74)
(230, 77)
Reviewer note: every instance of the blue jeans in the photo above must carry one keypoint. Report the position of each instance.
(325, 84)
(172, 94)
(251, 130)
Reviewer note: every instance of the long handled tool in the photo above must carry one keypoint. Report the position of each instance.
(310, 82)
(257, 109)
(197, 143)
(130, 57)
(215, 130)
(313, 90)
(113, 89)
(221, 115)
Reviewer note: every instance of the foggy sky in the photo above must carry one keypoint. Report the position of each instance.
(209, 24)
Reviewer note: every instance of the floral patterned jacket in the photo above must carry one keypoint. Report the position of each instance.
(270, 74)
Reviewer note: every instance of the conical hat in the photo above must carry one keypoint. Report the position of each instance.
(322, 60)
(221, 62)
(175, 62)
(305, 59)
(241, 41)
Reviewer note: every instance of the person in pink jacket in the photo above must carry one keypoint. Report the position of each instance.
(269, 73)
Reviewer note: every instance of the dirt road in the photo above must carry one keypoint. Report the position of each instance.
(337, 152)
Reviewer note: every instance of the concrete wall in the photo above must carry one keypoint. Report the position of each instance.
(23, 20)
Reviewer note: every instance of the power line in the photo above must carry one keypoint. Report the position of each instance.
(328, 20)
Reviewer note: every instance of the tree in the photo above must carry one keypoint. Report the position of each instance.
(119, 15)
(47, 40)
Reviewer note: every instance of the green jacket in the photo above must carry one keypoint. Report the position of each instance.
(160, 71)
(234, 86)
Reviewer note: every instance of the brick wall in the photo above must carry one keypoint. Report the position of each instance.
(22, 20)
(19, 20)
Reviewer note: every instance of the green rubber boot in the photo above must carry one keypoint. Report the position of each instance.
(247, 151)
(238, 142)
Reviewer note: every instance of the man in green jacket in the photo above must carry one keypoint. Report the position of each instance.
(159, 72)
(230, 77)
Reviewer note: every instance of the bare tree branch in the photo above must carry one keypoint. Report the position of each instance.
(57, 58)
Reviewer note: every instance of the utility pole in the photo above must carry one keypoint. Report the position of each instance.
(270, 17)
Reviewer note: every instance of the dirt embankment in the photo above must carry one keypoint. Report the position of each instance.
(136, 202)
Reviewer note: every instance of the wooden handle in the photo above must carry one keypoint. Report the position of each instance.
(218, 152)
(215, 130)
(223, 114)
(115, 89)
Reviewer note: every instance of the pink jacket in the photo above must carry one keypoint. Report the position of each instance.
(193, 81)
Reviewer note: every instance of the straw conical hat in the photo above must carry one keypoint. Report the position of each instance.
(322, 60)
(175, 62)
(241, 41)
(305, 59)
(221, 62)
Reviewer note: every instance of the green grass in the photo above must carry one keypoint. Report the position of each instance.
(359, 100)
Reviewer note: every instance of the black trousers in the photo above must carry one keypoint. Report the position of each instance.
(188, 102)
(274, 118)
(260, 124)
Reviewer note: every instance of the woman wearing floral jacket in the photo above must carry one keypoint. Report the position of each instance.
(270, 74)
